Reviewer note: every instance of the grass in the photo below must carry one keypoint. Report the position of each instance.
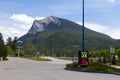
(95, 67)
(65, 58)
(38, 58)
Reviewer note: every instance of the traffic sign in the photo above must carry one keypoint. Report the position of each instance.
(112, 50)
(75, 60)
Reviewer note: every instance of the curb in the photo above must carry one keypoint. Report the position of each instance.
(114, 73)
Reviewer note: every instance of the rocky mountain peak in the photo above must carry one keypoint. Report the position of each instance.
(40, 25)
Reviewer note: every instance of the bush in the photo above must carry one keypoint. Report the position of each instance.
(94, 67)
(72, 66)
(118, 62)
(114, 60)
(4, 58)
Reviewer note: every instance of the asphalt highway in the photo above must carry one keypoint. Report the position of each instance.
(23, 69)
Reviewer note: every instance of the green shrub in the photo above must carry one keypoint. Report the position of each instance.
(118, 62)
(114, 61)
(94, 67)
(4, 58)
(72, 66)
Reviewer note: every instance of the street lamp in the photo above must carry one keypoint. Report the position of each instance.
(83, 55)
(83, 45)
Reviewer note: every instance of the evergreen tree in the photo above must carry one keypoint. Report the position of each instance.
(9, 46)
(30, 49)
(9, 42)
(3, 50)
(14, 45)
(10, 51)
(5, 53)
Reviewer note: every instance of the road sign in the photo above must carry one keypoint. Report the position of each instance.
(112, 50)
(75, 59)
(83, 58)
(38, 53)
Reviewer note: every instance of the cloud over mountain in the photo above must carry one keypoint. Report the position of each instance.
(21, 23)
(24, 19)
(113, 32)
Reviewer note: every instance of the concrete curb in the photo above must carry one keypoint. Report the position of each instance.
(114, 73)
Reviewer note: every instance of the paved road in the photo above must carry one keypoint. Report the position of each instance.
(23, 69)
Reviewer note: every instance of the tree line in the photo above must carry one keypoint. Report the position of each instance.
(11, 48)
(7, 48)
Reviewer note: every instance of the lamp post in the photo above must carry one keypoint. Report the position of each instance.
(83, 45)
(83, 55)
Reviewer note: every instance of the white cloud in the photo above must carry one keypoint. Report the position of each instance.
(39, 18)
(21, 23)
(113, 32)
(111, 1)
(22, 18)
(9, 32)
(114, 1)
(96, 27)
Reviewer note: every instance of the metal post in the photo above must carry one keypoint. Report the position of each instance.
(19, 52)
(83, 46)
(19, 47)
(112, 51)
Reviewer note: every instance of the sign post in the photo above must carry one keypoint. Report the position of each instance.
(83, 58)
(112, 51)
(75, 59)
(19, 47)
(38, 54)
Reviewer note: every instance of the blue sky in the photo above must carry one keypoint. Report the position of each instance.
(16, 16)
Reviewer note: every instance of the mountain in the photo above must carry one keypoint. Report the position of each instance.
(41, 25)
(54, 24)
(57, 35)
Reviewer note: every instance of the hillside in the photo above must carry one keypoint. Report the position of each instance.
(57, 35)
